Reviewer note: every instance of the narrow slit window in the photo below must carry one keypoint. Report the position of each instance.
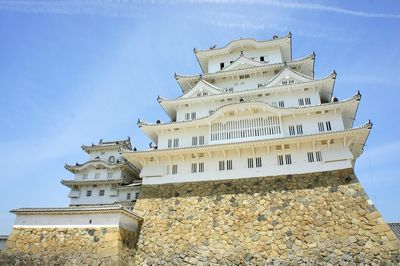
(281, 104)
(307, 100)
(193, 115)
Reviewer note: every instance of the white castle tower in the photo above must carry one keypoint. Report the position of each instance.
(253, 112)
(106, 178)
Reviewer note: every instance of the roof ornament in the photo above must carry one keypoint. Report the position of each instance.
(134, 149)
(241, 53)
(335, 99)
(159, 98)
(290, 34)
(201, 76)
(241, 100)
(274, 37)
(100, 141)
(158, 121)
(213, 47)
(139, 121)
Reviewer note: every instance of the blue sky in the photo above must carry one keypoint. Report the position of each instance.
(73, 72)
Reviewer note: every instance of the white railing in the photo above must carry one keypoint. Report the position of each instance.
(245, 128)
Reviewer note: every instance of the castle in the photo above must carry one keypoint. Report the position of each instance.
(255, 166)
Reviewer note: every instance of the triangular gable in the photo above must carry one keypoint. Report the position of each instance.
(242, 62)
(202, 88)
(288, 76)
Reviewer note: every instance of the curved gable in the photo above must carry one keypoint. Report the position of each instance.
(288, 76)
(202, 88)
(241, 63)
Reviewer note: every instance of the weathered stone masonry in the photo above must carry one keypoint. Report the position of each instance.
(70, 246)
(319, 218)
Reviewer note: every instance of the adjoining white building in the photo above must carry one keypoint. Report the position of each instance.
(252, 112)
(106, 178)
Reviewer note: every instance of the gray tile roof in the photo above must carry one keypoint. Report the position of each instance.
(396, 228)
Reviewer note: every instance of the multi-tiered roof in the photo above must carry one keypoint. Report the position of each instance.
(252, 100)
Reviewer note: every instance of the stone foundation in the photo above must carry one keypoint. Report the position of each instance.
(69, 246)
(319, 218)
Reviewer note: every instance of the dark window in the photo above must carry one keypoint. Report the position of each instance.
(262, 58)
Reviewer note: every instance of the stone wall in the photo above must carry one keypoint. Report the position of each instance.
(320, 218)
(69, 246)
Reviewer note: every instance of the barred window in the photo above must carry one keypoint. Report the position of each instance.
(193, 115)
(299, 129)
(281, 104)
(194, 141)
(201, 167)
(187, 116)
(301, 101)
(321, 127)
(250, 163)
(280, 159)
(310, 157)
(101, 192)
(201, 140)
(229, 165)
(307, 101)
(318, 156)
(174, 169)
(88, 193)
(328, 126)
(291, 131)
(194, 167)
(169, 143)
(128, 196)
(221, 165)
(258, 162)
(176, 143)
(288, 159)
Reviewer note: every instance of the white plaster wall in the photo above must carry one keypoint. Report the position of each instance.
(105, 155)
(290, 100)
(95, 198)
(123, 193)
(272, 55)
(334, 157)
(308, 122)
(91, 174)
(75, 220)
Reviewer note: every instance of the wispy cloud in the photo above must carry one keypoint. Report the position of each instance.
(111, 8)
(293, 5)
(134, 8)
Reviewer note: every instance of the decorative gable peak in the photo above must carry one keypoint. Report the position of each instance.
(241, 63)
(288, 76)
(202, 88)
